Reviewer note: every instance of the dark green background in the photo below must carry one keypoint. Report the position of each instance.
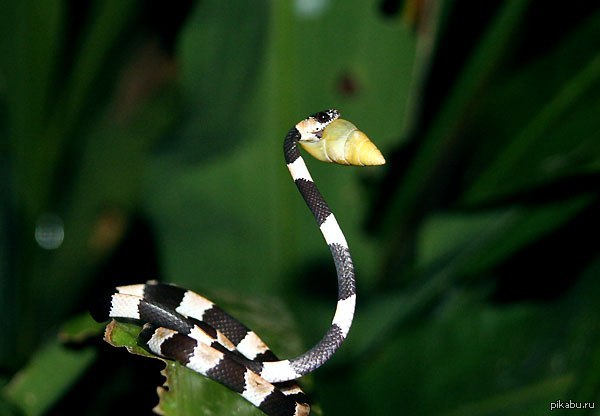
(151, 133)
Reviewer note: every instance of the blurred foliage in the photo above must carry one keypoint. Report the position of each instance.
(150, 139)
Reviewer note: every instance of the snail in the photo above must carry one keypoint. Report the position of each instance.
(341, 141)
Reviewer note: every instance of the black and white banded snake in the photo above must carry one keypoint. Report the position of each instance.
(184, 326)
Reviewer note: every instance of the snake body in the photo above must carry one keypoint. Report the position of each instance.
(184, 326)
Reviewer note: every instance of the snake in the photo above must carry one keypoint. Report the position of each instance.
(181, 325)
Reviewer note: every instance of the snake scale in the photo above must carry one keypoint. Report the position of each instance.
(184, 326)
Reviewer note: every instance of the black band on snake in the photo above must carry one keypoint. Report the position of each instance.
(184, 326)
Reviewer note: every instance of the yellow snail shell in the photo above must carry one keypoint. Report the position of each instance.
(344, 144)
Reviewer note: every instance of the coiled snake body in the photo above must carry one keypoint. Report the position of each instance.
(184, 326)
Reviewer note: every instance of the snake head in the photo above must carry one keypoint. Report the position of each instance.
(334, 140)
(312, 127)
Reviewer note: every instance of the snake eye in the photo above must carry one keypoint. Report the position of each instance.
(323, 117)
(327, 116)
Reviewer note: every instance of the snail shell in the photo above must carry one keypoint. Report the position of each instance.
(344, 144)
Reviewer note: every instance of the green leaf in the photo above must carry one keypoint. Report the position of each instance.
(221, 50)
(443, 136)
(30, 34)
(552, 130)
(30, 389)
(472, 243)
(123, 334)
(187, 392)
(79, 328)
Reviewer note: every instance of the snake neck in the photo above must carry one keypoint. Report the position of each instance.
(338, 246)
(302, 178)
